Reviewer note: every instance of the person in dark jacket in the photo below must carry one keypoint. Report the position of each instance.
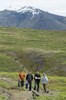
(37, 79)
(29, 78)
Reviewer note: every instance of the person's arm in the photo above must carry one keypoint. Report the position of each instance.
(39, 77)
(35, 77)
(24, 74)
(19, 77)
(32, 77)
(46, 78)
(27, 77)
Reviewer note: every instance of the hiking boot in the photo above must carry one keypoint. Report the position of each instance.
(47, 92)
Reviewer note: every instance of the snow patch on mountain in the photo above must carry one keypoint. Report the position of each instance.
(33, 10)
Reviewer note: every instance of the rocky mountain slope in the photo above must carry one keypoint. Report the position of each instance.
(29, 17)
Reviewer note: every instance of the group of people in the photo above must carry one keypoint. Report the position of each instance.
(29, 80)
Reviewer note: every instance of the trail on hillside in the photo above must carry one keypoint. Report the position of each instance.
(13, 92)
(20, 95)
(17, 94)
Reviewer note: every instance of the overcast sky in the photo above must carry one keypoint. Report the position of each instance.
(53, 6)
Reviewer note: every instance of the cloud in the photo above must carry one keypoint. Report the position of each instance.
(54, 6)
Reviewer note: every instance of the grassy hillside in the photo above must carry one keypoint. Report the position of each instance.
(33, 49)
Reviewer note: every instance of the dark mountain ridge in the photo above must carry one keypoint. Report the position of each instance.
(28, 17)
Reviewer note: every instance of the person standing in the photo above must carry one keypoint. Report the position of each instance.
(21, 79)
(44, 82)
(29, 79)
(37, 79)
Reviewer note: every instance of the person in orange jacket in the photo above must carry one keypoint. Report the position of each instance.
(21, 78)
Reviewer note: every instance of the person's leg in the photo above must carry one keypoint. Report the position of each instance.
(19, 83)
(37, 87)
(44, 85)
(22, 83)
(26, 84)
(30, 86)
(34, 85)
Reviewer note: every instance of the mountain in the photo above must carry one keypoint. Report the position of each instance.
(29, 17)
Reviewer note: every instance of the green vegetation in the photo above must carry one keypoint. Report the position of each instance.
(2, 97)
(33, 49)
(8, 79)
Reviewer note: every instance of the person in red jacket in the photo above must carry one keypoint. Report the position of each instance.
(21, 78)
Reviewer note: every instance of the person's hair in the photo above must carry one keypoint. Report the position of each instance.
(37, 71)
(29, 71)
(21, 70)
